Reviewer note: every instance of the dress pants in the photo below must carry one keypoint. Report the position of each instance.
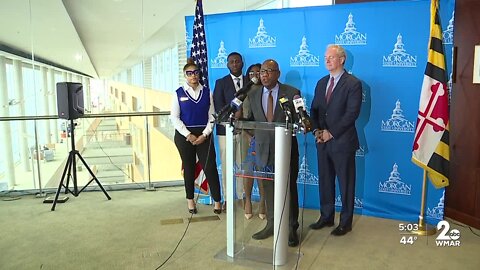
(207, 158)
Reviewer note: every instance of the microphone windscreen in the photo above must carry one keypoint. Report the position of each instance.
(298, 103)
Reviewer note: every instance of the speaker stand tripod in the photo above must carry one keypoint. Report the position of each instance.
(70, 170)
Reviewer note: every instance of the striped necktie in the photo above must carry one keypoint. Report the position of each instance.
(330, 90)
(238, 83)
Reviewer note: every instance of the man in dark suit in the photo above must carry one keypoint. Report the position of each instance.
(264, 107)
(335, 107)
(223, 94)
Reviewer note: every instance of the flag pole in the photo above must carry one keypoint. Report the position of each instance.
(424, 228)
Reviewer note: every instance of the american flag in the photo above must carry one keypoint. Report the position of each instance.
(198, 51)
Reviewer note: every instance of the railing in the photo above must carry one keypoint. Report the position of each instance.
(117, 146)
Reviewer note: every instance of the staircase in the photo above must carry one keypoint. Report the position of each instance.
(108, 152)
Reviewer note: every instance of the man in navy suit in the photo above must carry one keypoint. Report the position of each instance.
(335, 107)
(271, 92)
(223, 94)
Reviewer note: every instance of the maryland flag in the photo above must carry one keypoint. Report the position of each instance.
(431, 144)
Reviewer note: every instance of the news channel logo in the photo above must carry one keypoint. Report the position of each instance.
(446, 238)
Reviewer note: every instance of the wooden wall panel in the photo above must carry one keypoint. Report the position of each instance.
(462, 199)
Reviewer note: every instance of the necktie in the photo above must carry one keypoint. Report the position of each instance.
(238, 83)
(330, 90)
(270, 107)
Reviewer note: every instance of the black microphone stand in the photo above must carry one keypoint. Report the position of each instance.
(71, 167)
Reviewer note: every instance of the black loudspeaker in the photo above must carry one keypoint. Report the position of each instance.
(70, 100)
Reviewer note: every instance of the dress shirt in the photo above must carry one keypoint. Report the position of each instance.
(336, 78)
(240, 79)
(265, 98)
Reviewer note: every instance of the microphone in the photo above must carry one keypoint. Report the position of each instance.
(285, 106)
(246, 88)
(236, 103)
(300, 109)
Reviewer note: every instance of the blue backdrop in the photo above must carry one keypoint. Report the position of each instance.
(386, 45)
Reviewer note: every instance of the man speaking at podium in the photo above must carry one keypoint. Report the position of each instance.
(264, 107)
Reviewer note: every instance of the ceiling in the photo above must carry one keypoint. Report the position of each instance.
(101, 37)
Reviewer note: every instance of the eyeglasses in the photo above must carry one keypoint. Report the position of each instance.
(191, 73)
(267, 71)
(331, 57)
(251, 73)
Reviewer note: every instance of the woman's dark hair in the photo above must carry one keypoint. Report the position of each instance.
(190, 63)
(252, 66)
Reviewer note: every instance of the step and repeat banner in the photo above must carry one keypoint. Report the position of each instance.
(386, 44)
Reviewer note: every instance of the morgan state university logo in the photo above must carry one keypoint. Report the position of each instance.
(262, 39)
(350, 35)
(220, 61)
(399, 57)
(304, 58)
(397, 122)
(448, 33)
(437, 211)
(304, 174)
(394, 184)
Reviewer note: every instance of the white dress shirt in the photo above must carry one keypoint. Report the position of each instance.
(235, 79)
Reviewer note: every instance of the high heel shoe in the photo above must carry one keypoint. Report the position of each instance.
(262, 216)
(217, 208)
(191, 210)
(248, 209)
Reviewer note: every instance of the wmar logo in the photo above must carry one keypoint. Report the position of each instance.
(447, 237)
(304, 58)
(394, 184)
(397, 122)
(262, 39)
(399, 57)
(220, 61)
(350, 35)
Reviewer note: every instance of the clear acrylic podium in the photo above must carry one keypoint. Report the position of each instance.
(239, 166)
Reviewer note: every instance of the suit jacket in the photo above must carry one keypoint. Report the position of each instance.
(265, 140)
(223, 94)
(340, 114)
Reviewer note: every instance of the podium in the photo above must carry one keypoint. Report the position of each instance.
(240, 245)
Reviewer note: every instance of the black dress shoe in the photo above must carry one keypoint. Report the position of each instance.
(192, 211)
(320, 224)
(263, 234)
(217, 211)
(341, 230)
(293, 239)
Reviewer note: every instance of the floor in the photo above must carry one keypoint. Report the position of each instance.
(141, 229)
